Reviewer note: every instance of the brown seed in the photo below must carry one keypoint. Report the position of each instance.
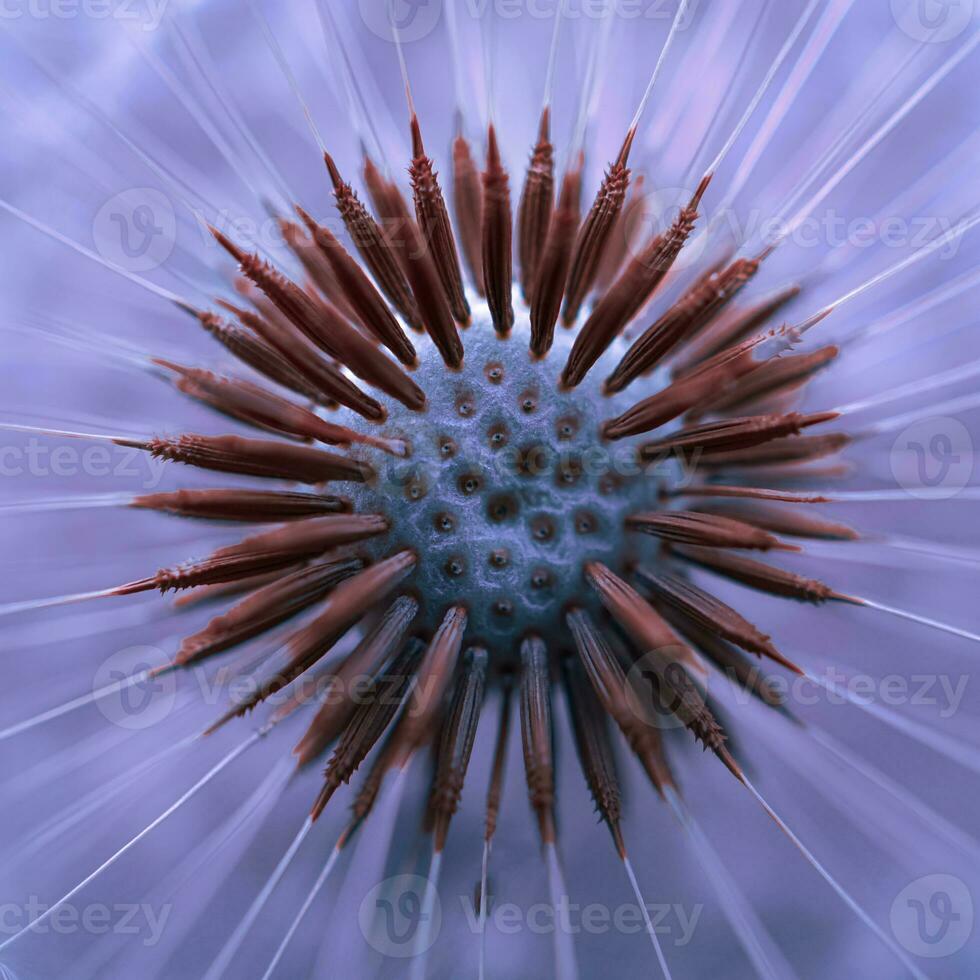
(374, 248)
(437, 231)
(669, 403)
(780, 520)
(735, 664)
(316, 266)
(537, 735)
(536, 204)
(250, 349)
(683, 321)
(622, 238)
(251, 506)
(324, 325)
(711, 613)
(631, 291)
(730, 435)
(732, 327)
(792, 451)
(468, 205)
(266, 608)
(594, 235)
(552, 265)
(249, 403)
(268, 551)
(495, 788)
(430, 295)
(773, 378)
(758, 575)
(750, 493)
(300, 353)
(456, 744)
(705, 530)
(666, 661)
(590, 727)
(366, 724)
(343, 607)
(496, 238)
(345, 696)
(257, 457)
(608, 679)
(438, 664)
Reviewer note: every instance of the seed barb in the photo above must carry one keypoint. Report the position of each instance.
(437, 230)
(456, 744)
(250, 506)
(631, 291)
(705, 530)
(497, 232)
(536, 205)
(593, 237)
(379, 256)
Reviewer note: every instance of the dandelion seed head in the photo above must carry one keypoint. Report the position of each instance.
(509, 488)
